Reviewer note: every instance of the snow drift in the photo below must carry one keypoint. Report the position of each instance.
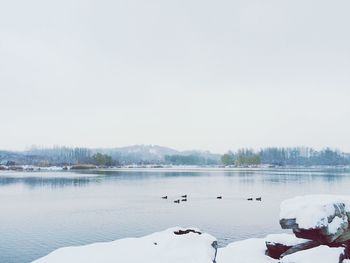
(161, 247)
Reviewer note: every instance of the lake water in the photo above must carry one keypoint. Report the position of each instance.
(42, 211)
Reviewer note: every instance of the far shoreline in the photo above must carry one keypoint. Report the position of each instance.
(167, 168)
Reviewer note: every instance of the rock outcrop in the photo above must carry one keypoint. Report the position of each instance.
(321, 218)
(321, 234)
(284, 244)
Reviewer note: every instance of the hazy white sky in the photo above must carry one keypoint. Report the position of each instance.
(187, 74)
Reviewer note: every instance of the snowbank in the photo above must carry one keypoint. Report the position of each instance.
(321, 254)
(161, 247)
(246, 251)
(253, 251)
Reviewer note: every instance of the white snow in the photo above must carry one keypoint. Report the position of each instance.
(336, 224)
(321, 254)
(284, 239)
(253, 251)
(161, 247)
(313, 211)
(246, 251)
(166, 247)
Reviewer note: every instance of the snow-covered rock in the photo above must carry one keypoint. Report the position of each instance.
(324, 218)
(246, 251)
(284, 239)
(161, 247)
(278, 244)
(321, 254)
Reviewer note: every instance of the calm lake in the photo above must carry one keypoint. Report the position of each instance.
(42, 211)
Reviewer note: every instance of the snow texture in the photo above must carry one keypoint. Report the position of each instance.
(321, 254)
(246, 251)
(284, 239)
(161, 247)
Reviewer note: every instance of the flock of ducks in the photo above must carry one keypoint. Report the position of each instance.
(184, 198)
(257, 199)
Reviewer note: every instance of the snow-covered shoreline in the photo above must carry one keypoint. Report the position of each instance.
(167, 247)
(328, 242)
(67, 171)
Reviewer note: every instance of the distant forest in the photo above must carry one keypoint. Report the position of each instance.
(137, 154)
(302, 156)
(150, 154)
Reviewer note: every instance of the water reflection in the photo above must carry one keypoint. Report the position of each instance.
(34, 182)
(83, 178)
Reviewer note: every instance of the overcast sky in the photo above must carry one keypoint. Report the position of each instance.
(187, 74)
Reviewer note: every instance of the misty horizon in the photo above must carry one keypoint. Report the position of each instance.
(39, 147)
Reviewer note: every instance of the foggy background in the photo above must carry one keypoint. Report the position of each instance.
(212, 75)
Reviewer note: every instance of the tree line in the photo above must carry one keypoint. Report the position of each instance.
(303, 156)
(57, 156)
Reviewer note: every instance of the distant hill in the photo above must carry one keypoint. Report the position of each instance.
(156, 154)
(140, 153)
